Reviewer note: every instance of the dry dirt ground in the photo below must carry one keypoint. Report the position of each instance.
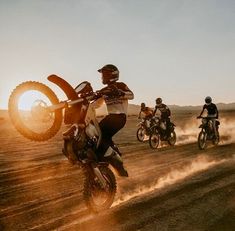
(172, 188)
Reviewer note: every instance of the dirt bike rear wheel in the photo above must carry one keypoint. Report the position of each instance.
(172, 139)
(140, 134)
(93, 189)
(202, 144)
(15, 112)
(216, 140)
(154, 140)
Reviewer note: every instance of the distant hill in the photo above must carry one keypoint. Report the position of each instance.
(135, 109)
(221, 106)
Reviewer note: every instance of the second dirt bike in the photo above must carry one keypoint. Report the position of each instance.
(38, 116)
(208, 133)
(144, 129)
(159, 132)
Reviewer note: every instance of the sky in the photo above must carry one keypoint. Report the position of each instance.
(179, 50)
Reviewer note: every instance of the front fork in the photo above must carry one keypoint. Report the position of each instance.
(95, 171)
(206, 134)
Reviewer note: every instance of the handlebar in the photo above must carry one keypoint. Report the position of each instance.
(87, 97)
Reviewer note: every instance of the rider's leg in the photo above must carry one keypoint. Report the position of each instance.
(109, 126)
(166, 120)
(214, 127)
(168, 126)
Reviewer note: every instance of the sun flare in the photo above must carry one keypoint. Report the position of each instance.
(28, 99)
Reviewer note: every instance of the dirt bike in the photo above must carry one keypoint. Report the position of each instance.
(160, 133)
(143, 129)
(207, 132)
(43, 118)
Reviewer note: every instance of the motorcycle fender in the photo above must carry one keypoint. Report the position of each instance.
(64, 85)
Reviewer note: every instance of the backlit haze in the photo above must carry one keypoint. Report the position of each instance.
(179, 50)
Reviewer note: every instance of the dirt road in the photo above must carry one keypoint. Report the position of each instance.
(172, 188)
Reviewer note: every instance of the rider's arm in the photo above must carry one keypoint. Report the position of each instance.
(139, 114)
(127, 93)
(202, 111)
(168, 111)
(217, 112)
(155, 110)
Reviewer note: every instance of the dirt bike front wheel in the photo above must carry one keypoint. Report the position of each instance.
(95, 196)
(202, 138)
(154, 140)
(28, 108)
(172, 138)
(140, 134)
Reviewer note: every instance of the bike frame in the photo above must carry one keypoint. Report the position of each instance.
(92, 126)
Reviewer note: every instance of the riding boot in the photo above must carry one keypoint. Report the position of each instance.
(116, 161)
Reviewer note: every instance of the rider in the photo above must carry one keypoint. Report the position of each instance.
(212, 112)
(165, 113)
(116, 95)
(145, 112)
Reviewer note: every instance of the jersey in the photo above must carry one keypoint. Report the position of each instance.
(117, 104)
(146, 111)
(211, 109)
(165, 111)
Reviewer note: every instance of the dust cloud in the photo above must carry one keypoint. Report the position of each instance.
(189, 132)
(227, 131)
(200, 163)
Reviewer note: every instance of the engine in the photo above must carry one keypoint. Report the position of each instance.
(74, 147)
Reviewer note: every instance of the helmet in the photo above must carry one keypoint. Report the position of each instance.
(208, 100)
(158, 100)
(142, 105)
(110, 73)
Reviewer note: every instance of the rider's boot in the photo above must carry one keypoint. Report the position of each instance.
(116, 161)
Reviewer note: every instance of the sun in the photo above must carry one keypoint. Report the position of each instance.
(30, 98)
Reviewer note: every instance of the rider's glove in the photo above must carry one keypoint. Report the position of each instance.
(98, 95)
(112, 92)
